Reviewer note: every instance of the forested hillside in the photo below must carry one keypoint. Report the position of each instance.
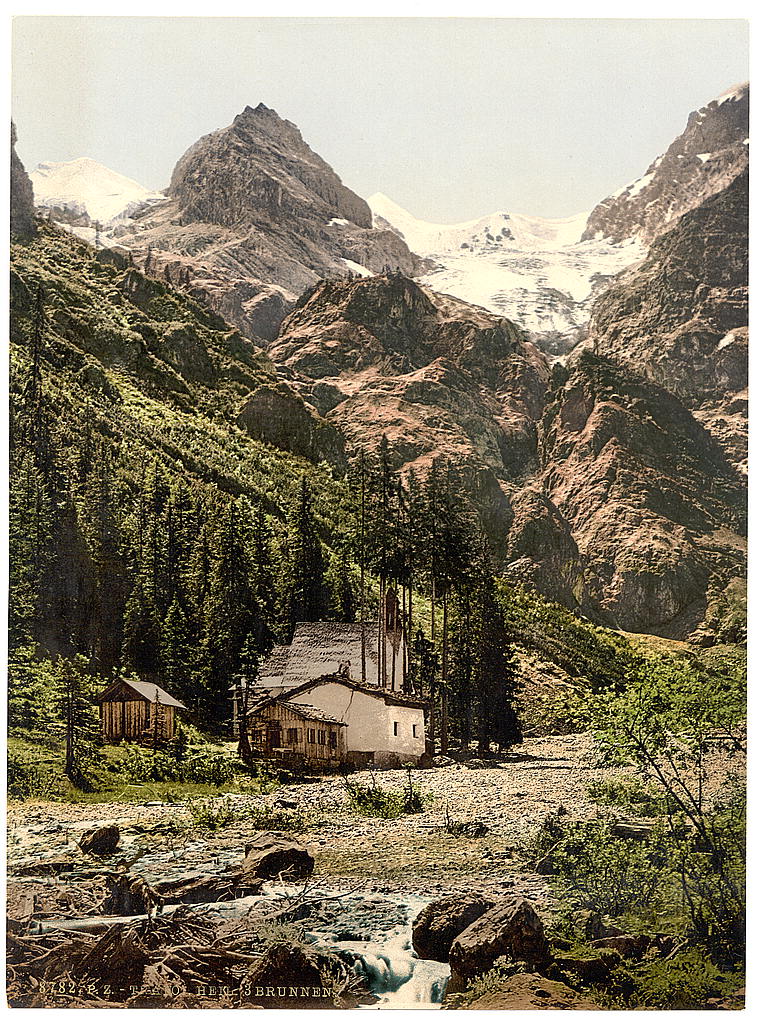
(147, 530)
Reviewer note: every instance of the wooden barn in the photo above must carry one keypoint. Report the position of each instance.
(287, 731)
(134, 710)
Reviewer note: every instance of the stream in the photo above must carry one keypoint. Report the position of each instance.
(375, 930)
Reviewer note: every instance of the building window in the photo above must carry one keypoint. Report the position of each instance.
(292, 735)
(414, 729)
(333, 739)
(395, 728)
(311, 735)
(322, 737)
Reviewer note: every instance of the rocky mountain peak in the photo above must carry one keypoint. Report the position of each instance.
(702, 161)
(259, 169)
(22, 195)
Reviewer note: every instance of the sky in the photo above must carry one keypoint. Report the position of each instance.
(452, 118)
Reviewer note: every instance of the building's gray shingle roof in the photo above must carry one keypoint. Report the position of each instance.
(318, 648)
(147, 691)
(310, 712)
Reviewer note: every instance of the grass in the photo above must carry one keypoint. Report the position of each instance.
(46, 755)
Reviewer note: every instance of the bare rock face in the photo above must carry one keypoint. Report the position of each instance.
(438, 925)
(654, 510)
(276, 414)
(22, 196)
(512, 928)
(680, 317)
(439, 377)
(711, 152)
(257, 168)
(255, 217)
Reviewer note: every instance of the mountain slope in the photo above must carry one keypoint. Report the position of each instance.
(83, 190)
(680, 318)
(702, 161)
(22, 199)
(636, 516)
(439, 377)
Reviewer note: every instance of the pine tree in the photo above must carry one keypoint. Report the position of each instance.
(306, 592)
(494, 669)
(76, 708)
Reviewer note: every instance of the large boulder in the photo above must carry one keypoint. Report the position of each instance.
(271, 855)
(438, 925)
(512, 928)
(292, 976)
(101, 841)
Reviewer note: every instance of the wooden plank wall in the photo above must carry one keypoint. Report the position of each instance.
(285, 719)
(128, 720)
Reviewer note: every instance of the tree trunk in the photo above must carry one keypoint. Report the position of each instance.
(363, 561)
(444, 667)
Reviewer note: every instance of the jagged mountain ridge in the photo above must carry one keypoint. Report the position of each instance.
(255, 217)
(702, 161)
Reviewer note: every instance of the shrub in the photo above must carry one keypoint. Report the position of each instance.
(263, 818)
(28, 779)
(375, 802)
(647, 801)
(494, 979)
(210, 766)
(212, 815)
(684, 982)
(146, 766)
(200, 765)
(612, 876)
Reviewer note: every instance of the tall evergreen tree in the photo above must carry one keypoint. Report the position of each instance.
(306, 591)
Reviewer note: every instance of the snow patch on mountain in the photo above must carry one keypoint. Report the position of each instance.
(533, 270)
(85, 188)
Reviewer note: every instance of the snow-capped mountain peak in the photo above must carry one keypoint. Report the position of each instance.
(499, 229)
(534, 270)
(84, 187)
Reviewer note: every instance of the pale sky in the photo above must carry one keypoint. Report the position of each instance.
(452, 118)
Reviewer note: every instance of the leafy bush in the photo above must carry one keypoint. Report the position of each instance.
(264, 818)
(684, 982)
(494, 979)
(212, 815)
(28, 779)
(647, 801)
(210, 766)
(602, 873)
(200, 765)
(375, 802)
(712, 873)
(145, 766)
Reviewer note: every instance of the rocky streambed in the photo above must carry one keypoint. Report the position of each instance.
(191, 918)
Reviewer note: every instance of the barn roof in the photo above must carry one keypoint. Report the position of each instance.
(146, 691)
